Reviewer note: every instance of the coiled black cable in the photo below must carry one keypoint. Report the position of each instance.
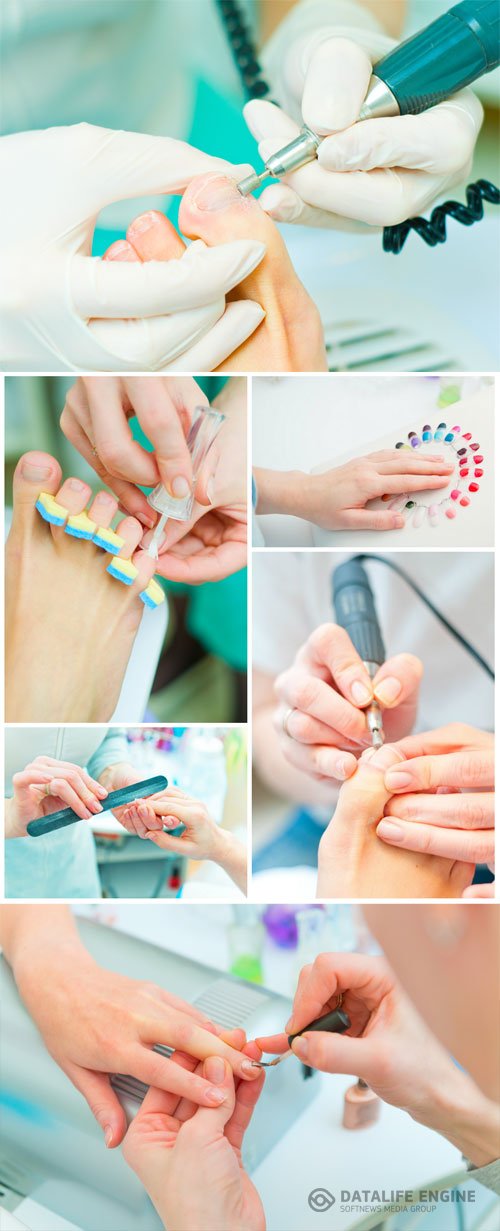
(432, 230)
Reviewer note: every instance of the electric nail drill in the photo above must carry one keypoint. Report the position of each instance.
(356, 612)
(205, 426)
(453, 51)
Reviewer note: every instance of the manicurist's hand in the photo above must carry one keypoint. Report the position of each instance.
(47, 785)
(115, 778)
(389, 1046)
(96, 419)
(189, 1159)
(443, 799)
(337, 499)
(95, 1022)
(61, 307)
(378, 171)
(322, 697)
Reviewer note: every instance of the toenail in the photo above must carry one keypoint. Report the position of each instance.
(33, 473)
(143, 223)
(217, 193)
(180, 486)
(76, 485)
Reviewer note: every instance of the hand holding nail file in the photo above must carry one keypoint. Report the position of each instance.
(205, 426)
(335, 1022)
(355, 611)
(116, 799)
(439, 60)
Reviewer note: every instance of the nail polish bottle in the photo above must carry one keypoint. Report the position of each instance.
(361, 1106)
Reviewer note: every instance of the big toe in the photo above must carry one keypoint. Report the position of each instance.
(214, 210)
(36, 475)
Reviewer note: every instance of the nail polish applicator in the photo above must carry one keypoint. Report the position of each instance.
(335, 1022)
(205, 426)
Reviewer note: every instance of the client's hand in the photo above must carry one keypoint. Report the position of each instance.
(202, 837)
(389, 1046)
(290, 337)
(189, 1159)
(443, 799)
(45, 786)
(354, 863)
(337, 499)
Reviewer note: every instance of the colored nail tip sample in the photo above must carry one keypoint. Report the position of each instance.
(415, 441)
(473, 487)
(153, 595)
(433, 514)
(50, 510)
(467, 435)
(410, 434)
(108, 540)
(441, 425)
(478, 474)
(80, 526)
(463, 474)
(465, 501)
(450, 513)
(479, 459)
(461, 452)
(449, 437)
(454, 494)
(410, 504)
(419, 515)
(400, 445)
(386, 497)
(475, 448)
(439, 434)
(455, 429)
(426, 427)
(123, 570)
(426, 434)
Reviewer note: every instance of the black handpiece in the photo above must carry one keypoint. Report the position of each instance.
(116, 799)
(335, 1022)
(356, 612)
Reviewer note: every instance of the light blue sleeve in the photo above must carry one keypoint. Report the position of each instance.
(113, 748)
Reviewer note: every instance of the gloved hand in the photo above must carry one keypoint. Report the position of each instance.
(379, 171)
(60, 305)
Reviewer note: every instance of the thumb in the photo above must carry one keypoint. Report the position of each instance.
(103, 1102)
(208, 1123)
(333, 1053)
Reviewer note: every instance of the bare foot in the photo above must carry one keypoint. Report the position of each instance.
(290, 338)
(70, 625)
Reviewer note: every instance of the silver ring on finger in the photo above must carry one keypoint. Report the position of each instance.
(286, 718)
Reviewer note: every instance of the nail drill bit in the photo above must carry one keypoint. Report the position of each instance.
(335, 1022)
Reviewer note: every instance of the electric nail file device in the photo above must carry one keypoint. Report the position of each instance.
(453, 51)
(205, 426)
(356, 612)
(116, 799)
(52, 1150)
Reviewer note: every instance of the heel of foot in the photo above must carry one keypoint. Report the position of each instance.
(153, 595)
(50, 510)
(80, 526)
(108, 540)
(123, 570)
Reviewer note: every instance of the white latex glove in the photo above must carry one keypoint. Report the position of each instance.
(378, 172)
(59, 305)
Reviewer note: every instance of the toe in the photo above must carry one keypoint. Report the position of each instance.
(121, 250)
(214, 210)
(121, 566)
(36, 474)
(73, 496)
(103, 509)
(154, 238)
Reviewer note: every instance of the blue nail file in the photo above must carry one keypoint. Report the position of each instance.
(116, 799)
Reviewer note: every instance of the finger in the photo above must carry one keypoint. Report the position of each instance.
(303, 691)
(379, 198)
(334, 973)
(175, 846)
(439, 141)
(413, 464)
(62, 790)
(121, 455)
(333, 1053)
(331, 646)
(372, 519)
(479, 891)
(471, 767)
(303, 729)
(466, 846)
(320, 762)
(247, 1096)
(210, 564)
(207, 1123)
(335, 85)
(394, 483)
(283, 204)
(156, 1070)
(476, 811)
(121, 289)
(159, 415)
(275, 1044)
(238, 322)
(139, 164)
(131, 498)
(103, 1102)
(183, 1033)
(444, 739)
(398, 680)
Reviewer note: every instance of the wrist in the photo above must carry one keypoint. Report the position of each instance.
(459, 1111)
(13, 828)
(281, 491)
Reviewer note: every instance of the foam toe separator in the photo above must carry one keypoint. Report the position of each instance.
(50, 510)
(123, 570)
(108, 540)
(80, 526)
(153, 595)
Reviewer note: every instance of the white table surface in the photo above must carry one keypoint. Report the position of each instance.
(317, 1152)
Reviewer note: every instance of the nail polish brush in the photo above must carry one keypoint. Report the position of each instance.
(205, 426)
(335, 1022)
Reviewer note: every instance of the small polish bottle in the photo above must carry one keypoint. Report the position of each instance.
(361, 1106)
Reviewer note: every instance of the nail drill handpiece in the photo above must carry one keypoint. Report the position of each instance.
(355, 611)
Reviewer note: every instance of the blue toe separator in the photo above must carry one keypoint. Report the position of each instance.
(148, 602)
(78, 534)
(127, 581)
(54, 521)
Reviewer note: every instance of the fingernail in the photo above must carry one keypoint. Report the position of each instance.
(217, 193)
(76, 485)
(145, 519)
(301, 1048)
(143, 223)
(215, 1096)
(248, 1066)
(108, 1135)
(216, 1069)
(34, 473)
(101, 790)
(390, 831)
(398, 522)
(180, 486)
(360, 693)
(396, 780)
(388, 690)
